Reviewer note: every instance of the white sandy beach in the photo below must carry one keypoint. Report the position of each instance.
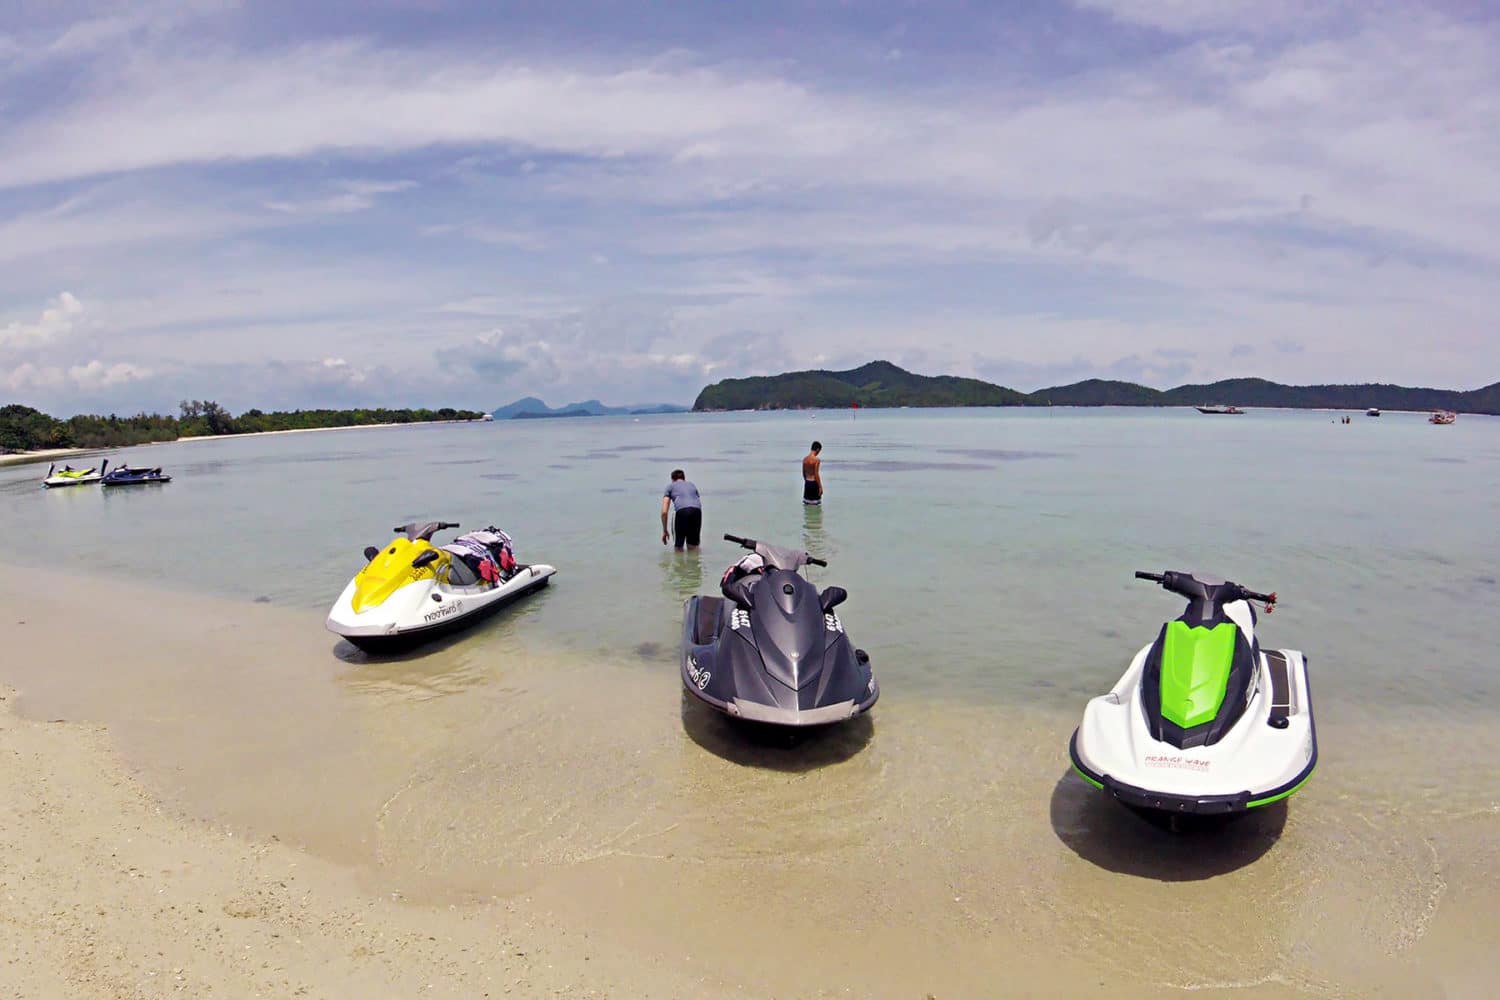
(46, 455)
(54, 454)
(313, 430)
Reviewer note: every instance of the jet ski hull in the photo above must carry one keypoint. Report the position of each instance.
(57, 482)
(722, 668)
(1265, 757)
(426, 610)
(125, 476)
(73, 477)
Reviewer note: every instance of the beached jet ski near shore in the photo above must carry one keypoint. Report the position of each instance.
(411, 590)
(1204, 720)
(772, 649)
(69, 476)
(126, 475)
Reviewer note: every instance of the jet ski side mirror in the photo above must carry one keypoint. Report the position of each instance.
(370, 553)
(425, 559)
(832, 597)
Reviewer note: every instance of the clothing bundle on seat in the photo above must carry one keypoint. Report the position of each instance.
(481, 555)
(739, 578)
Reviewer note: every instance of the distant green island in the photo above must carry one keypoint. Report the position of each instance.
(882, 384)
(25, 429)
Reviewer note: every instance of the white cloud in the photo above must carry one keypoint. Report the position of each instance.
(98, 374)
(349, 196)
(57, 320)
(1237, 16)
(90, 377)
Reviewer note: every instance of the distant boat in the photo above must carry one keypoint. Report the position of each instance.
(1220, 409)
(1442, 417)
(1373, 411)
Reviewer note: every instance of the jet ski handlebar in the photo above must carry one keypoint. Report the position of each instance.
(751, 543)
(423, 531)
(1190, 587)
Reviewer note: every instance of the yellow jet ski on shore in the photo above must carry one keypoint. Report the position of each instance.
(411, 591)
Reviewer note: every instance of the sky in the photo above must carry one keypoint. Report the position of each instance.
(416, 202)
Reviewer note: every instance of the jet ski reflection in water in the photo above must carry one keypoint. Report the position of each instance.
(411, 591)
(772, 649)
(1204, 720)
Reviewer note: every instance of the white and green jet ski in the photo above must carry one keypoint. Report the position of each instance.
(1204, 720)
(69, 476)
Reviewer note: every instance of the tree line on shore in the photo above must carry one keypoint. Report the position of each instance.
(23, 428)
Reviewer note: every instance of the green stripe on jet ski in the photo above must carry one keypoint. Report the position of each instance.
(1279, 795)
(1195, 664)
(1097, 784)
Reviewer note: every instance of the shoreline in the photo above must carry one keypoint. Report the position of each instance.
(45, 455)
(52, 454)
(312, 430)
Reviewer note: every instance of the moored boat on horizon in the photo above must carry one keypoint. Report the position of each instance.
(1442, 417)
(1220, 409)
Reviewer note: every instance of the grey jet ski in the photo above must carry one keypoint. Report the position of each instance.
(772, 649)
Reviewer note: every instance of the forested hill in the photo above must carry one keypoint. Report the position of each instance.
(881, 383)
(878, 383)
(1247, 392)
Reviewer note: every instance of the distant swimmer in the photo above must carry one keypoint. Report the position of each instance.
(812, 479)
(688, 523)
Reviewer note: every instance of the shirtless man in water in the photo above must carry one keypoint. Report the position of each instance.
(812, 480)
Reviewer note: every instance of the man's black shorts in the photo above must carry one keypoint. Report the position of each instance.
(687, 525)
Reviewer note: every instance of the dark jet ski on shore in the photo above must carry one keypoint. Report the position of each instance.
(772, 649)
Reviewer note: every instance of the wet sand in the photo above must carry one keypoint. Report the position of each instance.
(265, 810)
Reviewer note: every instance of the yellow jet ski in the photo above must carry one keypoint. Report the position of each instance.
(69, 476)
(411, 591)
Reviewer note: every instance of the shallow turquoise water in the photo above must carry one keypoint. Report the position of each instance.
(988, 553)
(989, 557)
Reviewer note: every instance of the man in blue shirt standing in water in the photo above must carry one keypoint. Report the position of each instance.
(689, 520)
